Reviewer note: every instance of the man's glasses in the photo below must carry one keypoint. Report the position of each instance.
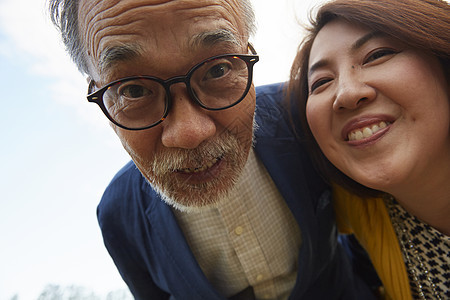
(141, 102)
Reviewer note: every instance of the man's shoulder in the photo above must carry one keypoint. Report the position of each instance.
(273, 114)
(126, 178)
(270, 93)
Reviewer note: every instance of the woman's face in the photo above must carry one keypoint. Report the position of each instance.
(378, 109)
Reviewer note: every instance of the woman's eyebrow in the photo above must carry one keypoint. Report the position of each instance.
(364, 39)
(355, 46)
(321, 63)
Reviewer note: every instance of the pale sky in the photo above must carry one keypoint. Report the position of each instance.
(58, 152)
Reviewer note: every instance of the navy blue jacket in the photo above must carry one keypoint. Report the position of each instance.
(153, 257)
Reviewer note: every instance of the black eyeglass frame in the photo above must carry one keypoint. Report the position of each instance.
(97, 96)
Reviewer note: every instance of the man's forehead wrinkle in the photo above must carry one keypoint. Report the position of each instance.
(105, 15)
(103, 20)
(100, 39)
(227, 33)
(235, 8)
(86, 14)
(102, 23)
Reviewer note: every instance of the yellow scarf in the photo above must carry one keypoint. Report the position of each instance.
(369, 221)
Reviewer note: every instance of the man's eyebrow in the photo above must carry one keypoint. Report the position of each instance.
(212, 38)
(116, 54)
(126, 52)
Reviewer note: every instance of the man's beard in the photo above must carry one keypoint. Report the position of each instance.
(163, 172)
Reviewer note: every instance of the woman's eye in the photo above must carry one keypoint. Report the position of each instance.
(379, 54)
(134, 91)
(318, 83)
(218, 71)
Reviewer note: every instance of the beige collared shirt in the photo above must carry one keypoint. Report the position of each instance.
(250, 239)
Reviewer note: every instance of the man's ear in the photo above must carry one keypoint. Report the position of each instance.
(91, 84)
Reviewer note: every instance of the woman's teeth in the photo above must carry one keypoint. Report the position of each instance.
(366, 132)
(200, 169)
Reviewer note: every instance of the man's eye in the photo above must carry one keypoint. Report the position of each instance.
(319, 83)
(134, 91)
(379, 54)
(218, 71)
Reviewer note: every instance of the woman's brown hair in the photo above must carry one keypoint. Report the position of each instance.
(421, 24)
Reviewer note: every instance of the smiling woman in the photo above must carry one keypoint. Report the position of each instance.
(374, 98)
(393, 86)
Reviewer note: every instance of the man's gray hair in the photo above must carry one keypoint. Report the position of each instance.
(64, 14)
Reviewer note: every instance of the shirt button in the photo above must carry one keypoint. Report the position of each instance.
(259, 277)
(238, 230)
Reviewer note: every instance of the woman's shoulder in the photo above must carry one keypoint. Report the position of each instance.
(368, 219)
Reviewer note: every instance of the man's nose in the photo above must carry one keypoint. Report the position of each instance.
(187, 125)
(352, 92)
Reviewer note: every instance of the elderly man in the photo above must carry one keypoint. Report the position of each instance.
(200, 213)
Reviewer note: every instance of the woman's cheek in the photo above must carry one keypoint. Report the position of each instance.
(318, 120)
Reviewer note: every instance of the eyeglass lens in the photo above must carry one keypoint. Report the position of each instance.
(216, 84)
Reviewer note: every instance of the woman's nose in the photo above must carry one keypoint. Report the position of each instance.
(352, 92)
